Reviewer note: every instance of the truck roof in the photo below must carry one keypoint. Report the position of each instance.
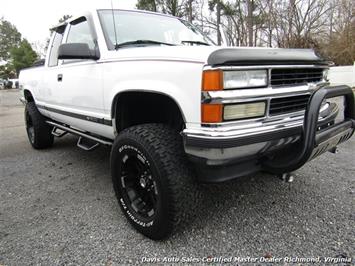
(94, 10)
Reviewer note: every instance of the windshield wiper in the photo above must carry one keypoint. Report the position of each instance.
(141, 42)
(196, 42)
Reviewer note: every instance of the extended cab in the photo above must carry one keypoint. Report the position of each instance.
(177, 109)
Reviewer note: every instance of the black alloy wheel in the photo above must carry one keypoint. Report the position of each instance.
(139, 189)
(38, 131)
(30, 128)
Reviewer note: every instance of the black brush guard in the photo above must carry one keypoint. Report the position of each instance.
(313, 143)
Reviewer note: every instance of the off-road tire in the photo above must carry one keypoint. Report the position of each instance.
(38, 131)
(178, 194)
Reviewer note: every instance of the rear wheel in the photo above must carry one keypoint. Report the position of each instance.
(152, 179)
(38, 131)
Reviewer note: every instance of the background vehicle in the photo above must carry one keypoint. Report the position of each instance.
(9, 84)
(13, 83)
(177, 109)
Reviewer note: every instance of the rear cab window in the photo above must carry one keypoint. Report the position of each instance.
(58, 34)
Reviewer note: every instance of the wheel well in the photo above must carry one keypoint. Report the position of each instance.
(134, 108)
(28, 96)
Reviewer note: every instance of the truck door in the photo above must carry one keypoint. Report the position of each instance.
(48, 83)
(78, 95)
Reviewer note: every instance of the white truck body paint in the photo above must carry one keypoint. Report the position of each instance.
(339, 75)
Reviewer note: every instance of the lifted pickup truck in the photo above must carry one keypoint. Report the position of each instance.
(178, 109)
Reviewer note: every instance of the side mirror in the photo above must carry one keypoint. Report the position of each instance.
(76, 51)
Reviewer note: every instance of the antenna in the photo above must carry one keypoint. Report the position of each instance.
(114, 26)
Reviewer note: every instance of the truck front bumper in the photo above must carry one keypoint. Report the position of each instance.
(223, 153)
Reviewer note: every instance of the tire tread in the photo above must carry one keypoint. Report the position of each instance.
(43, 132)
(166, 144)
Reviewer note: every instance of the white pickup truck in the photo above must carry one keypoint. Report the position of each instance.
(177, 109)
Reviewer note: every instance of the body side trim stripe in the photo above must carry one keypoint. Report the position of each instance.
(78, 116)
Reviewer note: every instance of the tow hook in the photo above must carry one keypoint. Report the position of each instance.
(287, 177)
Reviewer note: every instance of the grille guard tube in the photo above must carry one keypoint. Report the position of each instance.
(302, 152)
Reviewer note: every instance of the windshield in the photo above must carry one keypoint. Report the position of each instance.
(134, 26)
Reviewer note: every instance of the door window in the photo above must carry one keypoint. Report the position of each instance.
(79, 32)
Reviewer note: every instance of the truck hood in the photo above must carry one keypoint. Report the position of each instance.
(217, 55)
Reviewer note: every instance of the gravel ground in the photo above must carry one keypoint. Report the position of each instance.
(58, 207)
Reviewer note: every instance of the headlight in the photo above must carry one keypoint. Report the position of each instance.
(244, 79)
(243, 111)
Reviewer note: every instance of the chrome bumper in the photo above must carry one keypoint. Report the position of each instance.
(232, 143)
(218, 148)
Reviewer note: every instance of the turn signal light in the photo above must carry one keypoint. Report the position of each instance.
(212, 80)
(211, 113)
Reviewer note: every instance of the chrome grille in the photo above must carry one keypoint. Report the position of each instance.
(285, 105)
(292, 76)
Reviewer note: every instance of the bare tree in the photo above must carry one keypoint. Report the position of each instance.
(325, 25)
(189, 10)
(339, 45)
(250, 5)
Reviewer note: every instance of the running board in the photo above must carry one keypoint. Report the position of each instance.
(87, 144)
(59, 134)
(82, 135)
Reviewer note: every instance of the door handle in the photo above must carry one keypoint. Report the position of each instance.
(60, 77)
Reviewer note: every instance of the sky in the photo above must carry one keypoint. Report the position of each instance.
(34, 18)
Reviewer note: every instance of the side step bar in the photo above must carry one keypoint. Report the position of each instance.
(58, 134)
(87, 144)
(80, 134)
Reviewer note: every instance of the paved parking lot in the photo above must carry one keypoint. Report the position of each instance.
(58, 207)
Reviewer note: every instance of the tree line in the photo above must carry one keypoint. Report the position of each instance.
(328, 26)
(16, 52)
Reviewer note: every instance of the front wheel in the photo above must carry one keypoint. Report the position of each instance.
(152, 180)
